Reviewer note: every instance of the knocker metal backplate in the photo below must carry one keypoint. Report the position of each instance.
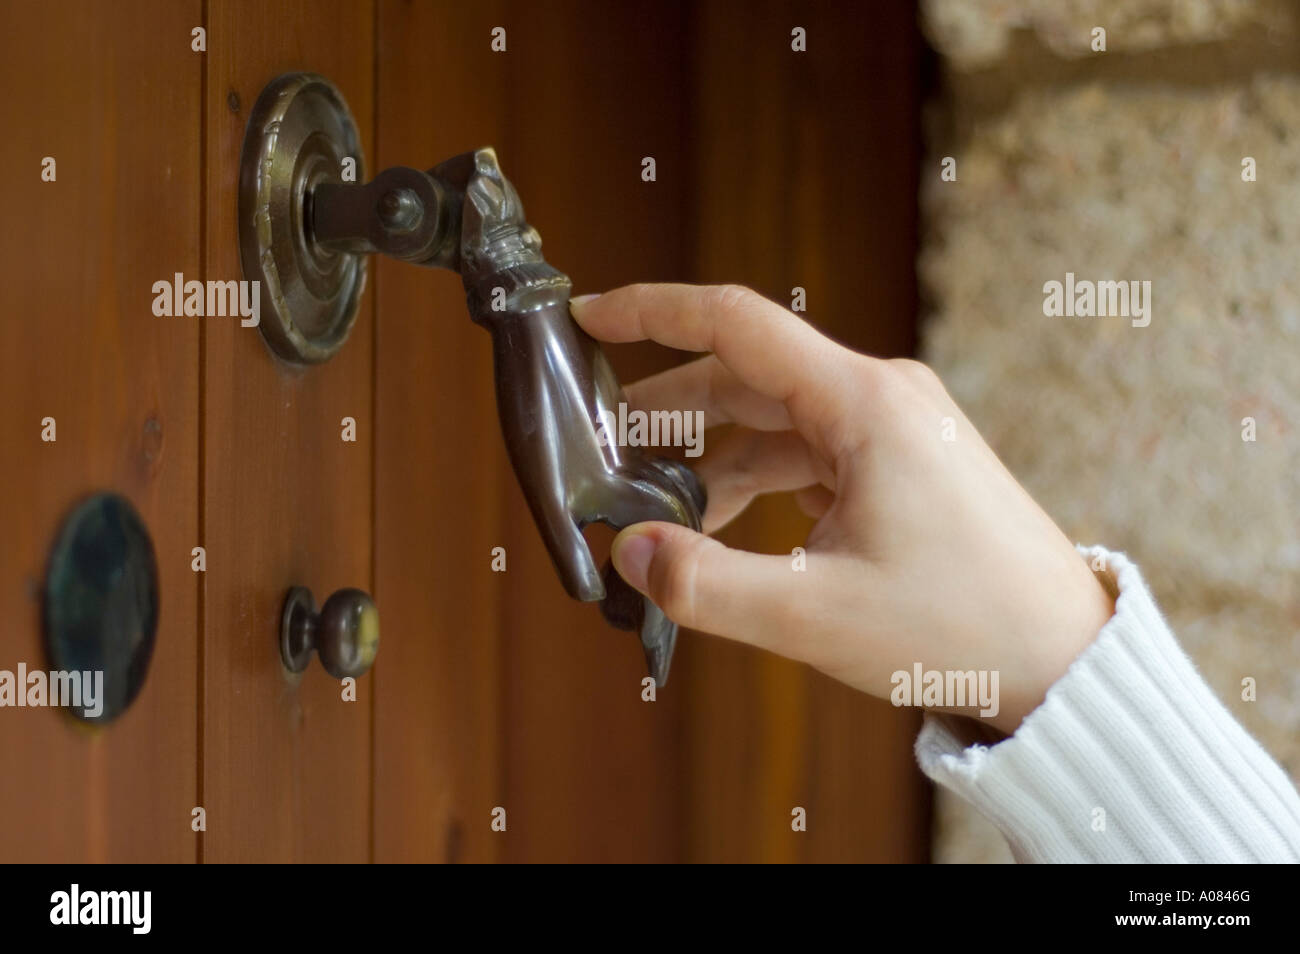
(299, 135)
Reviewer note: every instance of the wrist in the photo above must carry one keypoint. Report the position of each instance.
(1083, 604)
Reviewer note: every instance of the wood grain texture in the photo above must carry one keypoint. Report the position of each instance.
(112, 94)
(806, 176)
(286, 762)
(593, 772)
(440, 469)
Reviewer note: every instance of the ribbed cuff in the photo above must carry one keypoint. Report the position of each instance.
(1130, 758)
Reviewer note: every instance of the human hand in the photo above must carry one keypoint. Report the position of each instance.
(925, 550)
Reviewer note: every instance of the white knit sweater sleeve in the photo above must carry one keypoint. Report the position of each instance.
(1130, 758)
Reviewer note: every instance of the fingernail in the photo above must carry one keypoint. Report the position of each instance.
(631, 555)
(583, 299)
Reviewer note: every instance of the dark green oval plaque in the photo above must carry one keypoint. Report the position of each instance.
(101, 602)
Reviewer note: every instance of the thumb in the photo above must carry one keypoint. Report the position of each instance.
(701, 584)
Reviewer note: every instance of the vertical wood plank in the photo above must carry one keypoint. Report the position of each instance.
(807, 177)
(439, 469)
(286, 764)
(112, 94)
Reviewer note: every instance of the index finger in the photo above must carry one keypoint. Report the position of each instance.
(770, 349)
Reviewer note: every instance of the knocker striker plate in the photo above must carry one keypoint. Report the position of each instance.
(299, 134)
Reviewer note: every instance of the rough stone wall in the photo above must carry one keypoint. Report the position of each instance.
(976, 33)
(1127, 165)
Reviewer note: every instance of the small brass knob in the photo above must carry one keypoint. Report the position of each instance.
(344, 633)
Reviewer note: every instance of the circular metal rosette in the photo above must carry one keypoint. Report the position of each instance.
(299, 135)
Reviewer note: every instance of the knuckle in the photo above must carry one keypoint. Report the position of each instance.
(878, 381)
(732, 299)
(638, 296)
(915, 371)
(674, 577)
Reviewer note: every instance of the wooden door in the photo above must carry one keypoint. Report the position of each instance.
(491, 690)
(87, 86)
